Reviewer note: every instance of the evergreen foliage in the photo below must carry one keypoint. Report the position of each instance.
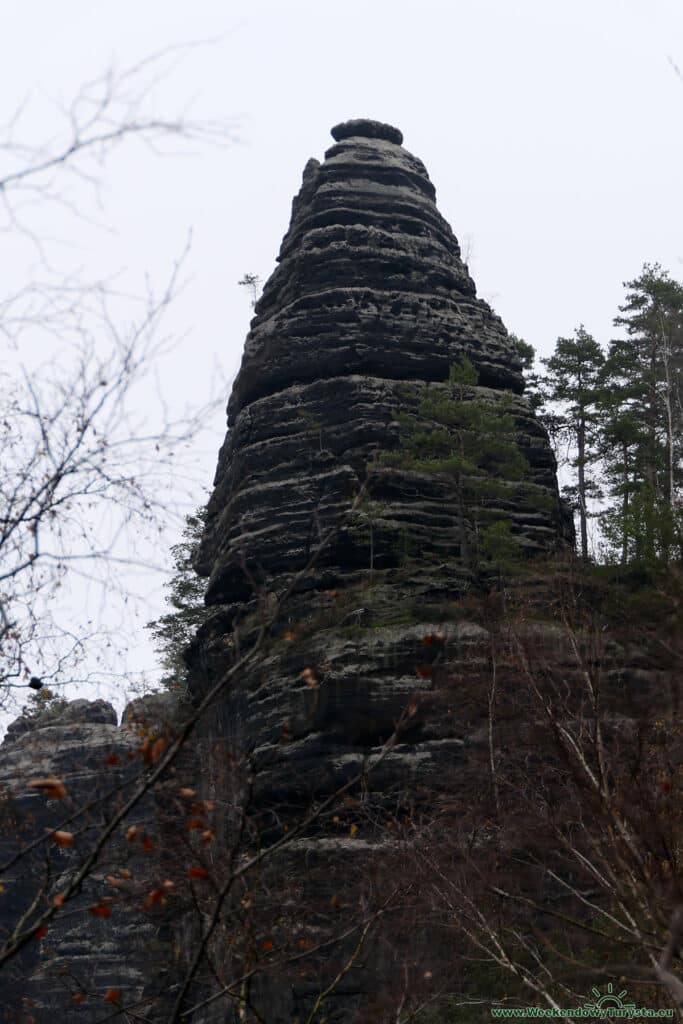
(619, 414)
(42, 703)
(498, 545)
(533, 382)
(468, 439)
(643, 414)
(173, 631)
(573, 382)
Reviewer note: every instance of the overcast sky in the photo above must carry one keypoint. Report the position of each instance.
(551, 130)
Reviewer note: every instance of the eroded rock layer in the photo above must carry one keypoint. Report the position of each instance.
(369, 309)
(370, 302)
(106, 937)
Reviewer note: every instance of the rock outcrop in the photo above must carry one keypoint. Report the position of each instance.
(357, 574)
(310, 903)
(103, 941)
(368, 310)
(370, 302)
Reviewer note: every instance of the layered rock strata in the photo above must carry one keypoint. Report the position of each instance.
(294, 923)
(370, 302)
(105, 939)
(368, 310)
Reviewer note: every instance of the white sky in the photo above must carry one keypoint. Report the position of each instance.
(551, 130)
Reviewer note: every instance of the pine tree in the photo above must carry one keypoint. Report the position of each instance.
(533, 384)
(173, 631)
(573, 384)
(643, 390)
(621, 440)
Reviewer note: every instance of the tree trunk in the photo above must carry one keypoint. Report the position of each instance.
(670, 486)
(624, 511)
(581, 464)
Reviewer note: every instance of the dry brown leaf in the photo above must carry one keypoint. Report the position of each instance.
(62, 838)
(157, 750)
(50, 786)
(155, 896)
(100, 910)
(197, 872)
(434, 638)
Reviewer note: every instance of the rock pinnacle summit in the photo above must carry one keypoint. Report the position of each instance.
(370, 303)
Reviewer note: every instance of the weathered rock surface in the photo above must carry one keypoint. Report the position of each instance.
(370, 302)
(84, 955)
(432, 788)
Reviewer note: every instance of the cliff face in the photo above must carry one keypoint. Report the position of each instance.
(103, 941)
(375, 858)
(370, 307)
(371, 301)
(329, 523)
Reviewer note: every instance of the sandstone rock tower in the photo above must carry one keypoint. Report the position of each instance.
(370, 301)
(352, 498)
(369, 308)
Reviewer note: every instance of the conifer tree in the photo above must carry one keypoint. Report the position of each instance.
(643, 391)
(573, 384)
(173, 631)
(533, 382)
(621, 441)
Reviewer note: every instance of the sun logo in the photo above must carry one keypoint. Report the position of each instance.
(609, 999)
